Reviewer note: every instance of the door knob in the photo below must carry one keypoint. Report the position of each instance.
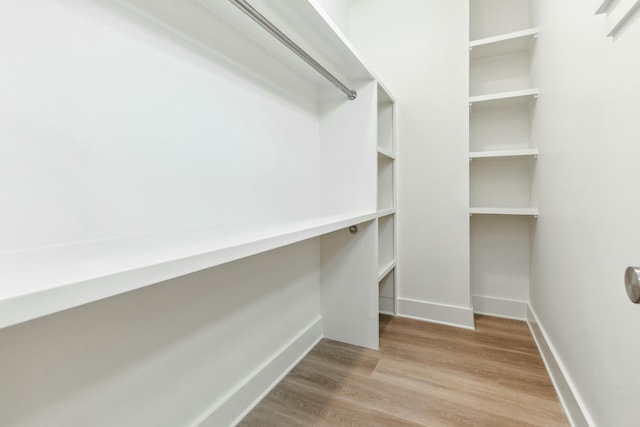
(632, 283)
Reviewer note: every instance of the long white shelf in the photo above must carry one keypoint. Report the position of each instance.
(516, 94)
(386, 269)
(38, 282)
(502, 45)
(504, 211)
(526, 152)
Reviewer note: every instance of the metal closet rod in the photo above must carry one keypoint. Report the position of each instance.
(274, 31)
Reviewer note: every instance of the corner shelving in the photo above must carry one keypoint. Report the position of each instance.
(387, 274)
(502, 156)
(63, 269)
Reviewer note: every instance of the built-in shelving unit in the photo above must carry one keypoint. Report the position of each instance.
(86, 268)
(387, 274)
(502, 156)
(213, 191)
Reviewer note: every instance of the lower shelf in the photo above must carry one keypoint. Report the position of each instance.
(504, 211)
(43, 281)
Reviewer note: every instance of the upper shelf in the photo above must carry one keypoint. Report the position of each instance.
(527, 152)
(517, 95)
(504, 211)
(502, 45)
(223, 30)
(47, 280)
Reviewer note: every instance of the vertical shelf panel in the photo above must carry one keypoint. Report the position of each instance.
(349, 303)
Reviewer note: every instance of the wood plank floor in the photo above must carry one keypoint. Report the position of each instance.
(424, 375)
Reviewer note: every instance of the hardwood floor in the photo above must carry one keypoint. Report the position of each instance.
(424, 375)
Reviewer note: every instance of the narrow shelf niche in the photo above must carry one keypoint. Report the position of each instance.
(387, 291)
(500, 126)
(509, 74)
(386, 240)
(385, 122)
(501, 182)
(488, 18)
(500, 254)
(385, 183)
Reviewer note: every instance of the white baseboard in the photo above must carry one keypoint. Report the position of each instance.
(573, 405)
(239, 402)
(499, 307)
(461, 317)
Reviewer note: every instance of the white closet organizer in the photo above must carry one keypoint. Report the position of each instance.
(286, 158)
(387, 275)
(502, 157)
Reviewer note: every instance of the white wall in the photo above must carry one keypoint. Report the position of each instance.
(124, 131)
(419, 50)
(112, 127)
(587, 127)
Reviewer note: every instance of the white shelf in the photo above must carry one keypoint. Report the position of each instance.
(512, 95)
(214, 25)
(502, 45)
(527, 152)
(386, 212)
(386, 153)
(47, 280)
(504, 211)
(386, 269)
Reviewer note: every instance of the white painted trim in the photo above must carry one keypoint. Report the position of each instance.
(230, 410)
(461, 317)
(500, 307)
(573, 404)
